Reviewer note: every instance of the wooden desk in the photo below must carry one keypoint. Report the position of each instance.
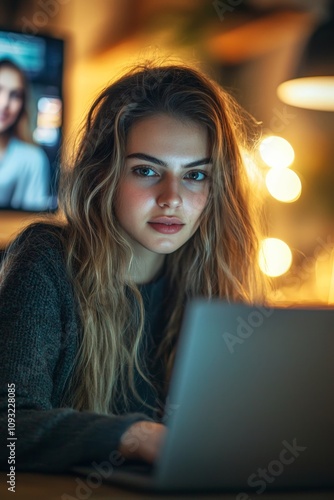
(64, 487)
(11, 223)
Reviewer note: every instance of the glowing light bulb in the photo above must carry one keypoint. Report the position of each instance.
(284, 185)
(275, 257)
(276, 152)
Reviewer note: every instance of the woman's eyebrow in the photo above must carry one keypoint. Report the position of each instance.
(152, 159)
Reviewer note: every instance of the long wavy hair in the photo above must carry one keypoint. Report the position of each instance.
(220, 259)
(20, 127)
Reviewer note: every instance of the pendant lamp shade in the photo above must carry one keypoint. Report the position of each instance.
(313, 84)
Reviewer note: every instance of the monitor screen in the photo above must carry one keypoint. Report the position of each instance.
(31, 114)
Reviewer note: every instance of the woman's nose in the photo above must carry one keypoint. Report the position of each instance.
(169, 194)
(4, 100)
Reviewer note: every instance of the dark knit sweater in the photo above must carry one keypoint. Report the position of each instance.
(39, 335)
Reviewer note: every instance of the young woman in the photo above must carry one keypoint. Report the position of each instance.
(24, 167)
(155, 210)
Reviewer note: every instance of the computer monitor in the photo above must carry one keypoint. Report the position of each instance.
(31, 116)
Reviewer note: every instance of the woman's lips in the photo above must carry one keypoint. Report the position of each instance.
(166, 228)
(166, 225)
(4, 119)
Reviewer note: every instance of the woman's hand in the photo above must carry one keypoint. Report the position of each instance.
(143, 440)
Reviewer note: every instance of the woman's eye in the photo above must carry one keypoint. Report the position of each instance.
(144, 171)
(16, 95)
(196, 175)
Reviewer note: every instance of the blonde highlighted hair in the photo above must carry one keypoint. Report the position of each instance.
(220, 260)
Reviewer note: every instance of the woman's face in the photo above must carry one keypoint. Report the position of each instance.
(165, 186)
(11, 97)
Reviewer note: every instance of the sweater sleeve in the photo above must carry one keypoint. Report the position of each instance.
(36, 344)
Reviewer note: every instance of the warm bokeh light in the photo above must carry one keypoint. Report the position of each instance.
(275, 257)
(276, 152)
(284, 185)
(324, 275)
(252, 169)
(311, 93)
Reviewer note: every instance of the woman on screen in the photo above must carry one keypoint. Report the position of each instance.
(156, 210)
(24, 167)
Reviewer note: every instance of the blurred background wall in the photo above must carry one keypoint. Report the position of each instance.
(250, 47)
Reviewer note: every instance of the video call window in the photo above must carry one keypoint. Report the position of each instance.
(31, 113)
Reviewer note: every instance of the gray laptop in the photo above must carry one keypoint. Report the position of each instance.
(251, 404)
